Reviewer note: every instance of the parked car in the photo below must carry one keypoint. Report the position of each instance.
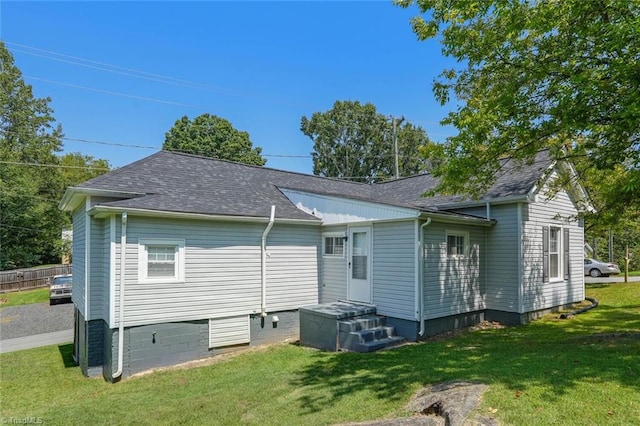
(60, 288)
(596, 268)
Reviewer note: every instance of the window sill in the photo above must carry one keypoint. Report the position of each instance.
(162, 281)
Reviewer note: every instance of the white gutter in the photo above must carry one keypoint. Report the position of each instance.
(123, 244)
(103, 211)
(87, 258)
(420, 289)
(520, 260)
(263, 249)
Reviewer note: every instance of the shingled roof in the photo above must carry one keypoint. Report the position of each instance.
(176, 182)
(512, 180)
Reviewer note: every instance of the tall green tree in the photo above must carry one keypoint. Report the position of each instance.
(534, 75)
(30, 221)
(212, 136)
(355, 142)
(76, 168)
(33, 177)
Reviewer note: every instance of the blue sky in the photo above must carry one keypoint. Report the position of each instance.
(261, 65)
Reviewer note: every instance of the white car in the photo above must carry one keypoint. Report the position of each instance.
(60, 288)
(596, 268)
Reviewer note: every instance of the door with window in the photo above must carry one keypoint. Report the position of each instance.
(359, 264)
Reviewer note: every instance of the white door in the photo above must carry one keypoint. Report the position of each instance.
(360, 264)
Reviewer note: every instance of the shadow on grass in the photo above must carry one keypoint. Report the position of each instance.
(555, 357)
(66, 353)
(597, 285)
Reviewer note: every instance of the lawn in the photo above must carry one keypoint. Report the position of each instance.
(15, 298)
(584, 370)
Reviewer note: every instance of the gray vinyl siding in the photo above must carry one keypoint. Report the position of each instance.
(501, 261)
(292, 266)
(394, 268)
(554, 212)
(333, 285)
(452, 285)
(99, 294)
(222, 270)
(79, 221)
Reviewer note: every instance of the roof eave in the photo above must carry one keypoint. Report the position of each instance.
(447, 218)
(526, 198)
(100, 211)
(74, 195)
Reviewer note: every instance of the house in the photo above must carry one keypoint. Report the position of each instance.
(179, 257)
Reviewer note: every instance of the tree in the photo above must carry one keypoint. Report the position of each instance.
(30, 222)
(76, 168)
(533, 75)
(355, 142)
(212, 136)
(32, 177)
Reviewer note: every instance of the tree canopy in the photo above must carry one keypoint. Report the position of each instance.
(212, 136)
(355, 142)
(534, 75)
(32, 177)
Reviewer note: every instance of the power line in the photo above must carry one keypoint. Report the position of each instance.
(124, 145)
(110, 92)
(19, 195)
(3, 225)
(60, 166)
(135, 73)
(141, 74)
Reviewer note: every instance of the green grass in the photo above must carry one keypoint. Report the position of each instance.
(585, 370)
(16, 298)
(633, 273)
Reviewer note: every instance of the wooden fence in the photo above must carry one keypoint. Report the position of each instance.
(25, 279)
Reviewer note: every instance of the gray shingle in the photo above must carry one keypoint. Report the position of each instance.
(513, 180)
(190, 184)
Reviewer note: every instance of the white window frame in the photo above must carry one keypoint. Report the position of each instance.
(465, 244)
(335, 236)
(143, 260)
(559, 276)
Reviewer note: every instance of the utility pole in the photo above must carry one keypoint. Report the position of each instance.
(395, 145)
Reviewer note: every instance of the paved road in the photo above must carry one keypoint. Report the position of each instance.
(36, 340)
(611, 279)
(38, 324)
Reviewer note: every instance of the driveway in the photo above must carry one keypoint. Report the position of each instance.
(611, 279)
(38, 324)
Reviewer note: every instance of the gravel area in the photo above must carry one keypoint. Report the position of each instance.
(37, 318)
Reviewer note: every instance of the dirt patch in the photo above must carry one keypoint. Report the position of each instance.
(445, 404)
(484, 325)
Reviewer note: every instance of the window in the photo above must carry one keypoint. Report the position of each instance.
(555, 253)
(334, 245)
(456, 243)
(161, 260)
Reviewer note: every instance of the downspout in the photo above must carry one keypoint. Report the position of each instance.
(421, 277)
(123, 244)
(263, 248)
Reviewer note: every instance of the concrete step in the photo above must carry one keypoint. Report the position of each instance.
(369, 339)
(376, 345)
(361, 323)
